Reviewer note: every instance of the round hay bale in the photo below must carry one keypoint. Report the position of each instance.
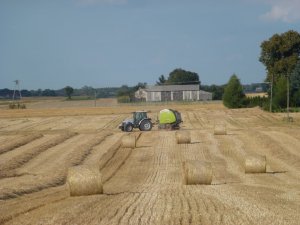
(183, 137)
(84, 180)
(255, 164)
(197, 172)
(129, 141)
(220, 130)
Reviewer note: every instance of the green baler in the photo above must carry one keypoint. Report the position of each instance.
(169, 119)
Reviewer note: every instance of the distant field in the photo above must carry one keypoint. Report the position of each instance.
(145, 185)
(252, 95)
(60, 102)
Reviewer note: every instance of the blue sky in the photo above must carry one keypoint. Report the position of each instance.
(108, 43)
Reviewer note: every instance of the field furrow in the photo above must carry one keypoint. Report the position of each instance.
(15, 159)
(17, 142)
(46, 170)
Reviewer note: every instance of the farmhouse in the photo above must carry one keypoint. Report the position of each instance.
(173, 93)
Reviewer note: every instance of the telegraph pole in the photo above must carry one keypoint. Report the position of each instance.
(271, 100)
(17, 88)
(95, 103)
(288, 98)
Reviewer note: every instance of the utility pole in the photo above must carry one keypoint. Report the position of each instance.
(17, 88)
(288, 98)
(271, 99)
(95, 103)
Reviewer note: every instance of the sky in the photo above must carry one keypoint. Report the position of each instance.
(109, 43)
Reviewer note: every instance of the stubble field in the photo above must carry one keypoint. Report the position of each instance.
(144, 185)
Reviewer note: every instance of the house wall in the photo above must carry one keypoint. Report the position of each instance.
(190, 95)
(177, 95)
(153, 96)
(165, 96)
(140, 94)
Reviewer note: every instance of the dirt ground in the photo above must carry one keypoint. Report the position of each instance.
(145, 185)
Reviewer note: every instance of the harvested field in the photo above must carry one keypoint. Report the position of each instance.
(146, 184)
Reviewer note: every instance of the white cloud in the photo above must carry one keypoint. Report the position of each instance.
(283, 10)
(93, 2)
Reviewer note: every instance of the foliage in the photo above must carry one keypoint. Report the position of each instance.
(180, 76)
(257, 101)
(161, 80)
(263, 87)
(295, 85)
(139, 85)
(234, 96)
(17, 105)
(216, 90)
(87, 91)
(48, 92)
(296, 98)
(123, 99)
(124, 90)
(69, 91)
(108, 92)
(280, 54)
(129, 92)
(280, 92)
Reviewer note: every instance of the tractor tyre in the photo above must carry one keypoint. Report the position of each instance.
(145, 125)
(128, 127)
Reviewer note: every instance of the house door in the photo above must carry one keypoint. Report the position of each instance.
(165, 96)
(177, 95)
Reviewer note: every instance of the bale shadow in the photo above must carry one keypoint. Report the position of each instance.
(276, 172)
(196, 142)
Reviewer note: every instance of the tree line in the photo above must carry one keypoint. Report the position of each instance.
(280, 55)
(87, 91)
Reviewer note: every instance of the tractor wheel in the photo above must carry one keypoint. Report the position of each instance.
(128, 128)
(145, 125)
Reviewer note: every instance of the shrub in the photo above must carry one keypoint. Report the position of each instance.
(234, 96)
(18, 105)
(123, 99)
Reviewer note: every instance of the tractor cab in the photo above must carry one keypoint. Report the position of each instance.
(138, 117)
(139, 120)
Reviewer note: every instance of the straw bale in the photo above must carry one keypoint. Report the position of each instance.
(197, 172)
(84, 180)
(129, 141)
(255, 164)
(183, 137)
(220, 129)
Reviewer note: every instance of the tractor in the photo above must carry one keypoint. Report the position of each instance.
(139, 120)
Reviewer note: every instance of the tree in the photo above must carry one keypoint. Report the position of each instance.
(161, 80)
(48, 92)
(69, 91)
(295, 85)
(126, 94)
(139, 85)
(280, 91)
(234, 96)
(280, 54)
(87, 91)
(216, 90)
(180, 76)
(124, 90)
